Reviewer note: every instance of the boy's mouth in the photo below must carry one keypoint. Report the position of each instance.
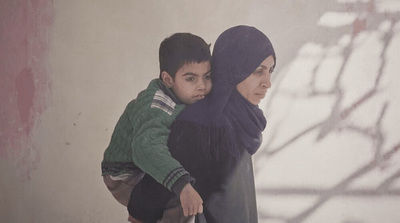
(199, 97)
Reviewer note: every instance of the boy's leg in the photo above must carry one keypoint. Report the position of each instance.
(134, 220)
(148, 200)
(173, 213)
(121, 189)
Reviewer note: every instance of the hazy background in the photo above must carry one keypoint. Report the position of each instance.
(331, 146)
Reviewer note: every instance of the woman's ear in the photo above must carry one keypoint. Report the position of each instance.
(167, 79)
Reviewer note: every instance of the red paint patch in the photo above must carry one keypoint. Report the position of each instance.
(25, 89)
(359, 25)
(24, 85)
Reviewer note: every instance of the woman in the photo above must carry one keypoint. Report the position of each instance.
(215, 137)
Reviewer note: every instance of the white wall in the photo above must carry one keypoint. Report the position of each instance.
(332, 110)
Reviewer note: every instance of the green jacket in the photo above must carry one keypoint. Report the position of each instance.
(139, 140)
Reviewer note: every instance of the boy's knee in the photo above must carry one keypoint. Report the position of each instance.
(111, 184)
(134, 220)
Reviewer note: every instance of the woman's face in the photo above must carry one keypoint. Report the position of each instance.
(255, 86)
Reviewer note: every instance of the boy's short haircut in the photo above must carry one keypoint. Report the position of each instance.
(180, 49)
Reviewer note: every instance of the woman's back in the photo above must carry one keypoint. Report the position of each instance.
(225, 182)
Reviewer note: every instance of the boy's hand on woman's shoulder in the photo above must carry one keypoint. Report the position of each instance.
(191, 201)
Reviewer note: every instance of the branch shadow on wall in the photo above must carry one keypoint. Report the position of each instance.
(335, 122)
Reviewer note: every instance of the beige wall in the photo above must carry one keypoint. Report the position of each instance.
(329, 152)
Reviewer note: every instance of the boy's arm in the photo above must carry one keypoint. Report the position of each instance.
(151, 154)
(149, 148)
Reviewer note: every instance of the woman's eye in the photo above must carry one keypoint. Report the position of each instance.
(271, 70)
(259, 72)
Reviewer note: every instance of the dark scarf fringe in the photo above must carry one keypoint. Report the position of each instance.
(210, 139)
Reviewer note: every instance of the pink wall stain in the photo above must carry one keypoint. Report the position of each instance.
(363, 9)
(25, 84)
(360, 24)
(25, 88)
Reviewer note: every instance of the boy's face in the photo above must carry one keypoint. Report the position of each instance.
(192, 82)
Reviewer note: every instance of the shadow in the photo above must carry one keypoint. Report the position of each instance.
(341, 186)
(337, 114)
(366, 13)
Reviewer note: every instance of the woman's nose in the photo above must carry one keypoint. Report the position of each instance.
(266, 82)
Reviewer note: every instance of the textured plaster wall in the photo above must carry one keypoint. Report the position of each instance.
(330, 151)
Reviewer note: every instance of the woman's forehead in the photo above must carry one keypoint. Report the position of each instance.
(268, 62)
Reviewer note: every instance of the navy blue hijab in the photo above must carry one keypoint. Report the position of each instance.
(225, 119)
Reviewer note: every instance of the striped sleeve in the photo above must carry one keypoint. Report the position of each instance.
(163, 102)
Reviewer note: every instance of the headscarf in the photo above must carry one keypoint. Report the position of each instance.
(225, 118)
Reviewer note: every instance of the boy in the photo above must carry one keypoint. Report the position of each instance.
(139, 141)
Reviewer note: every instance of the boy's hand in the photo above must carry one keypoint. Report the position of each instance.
(191, 201)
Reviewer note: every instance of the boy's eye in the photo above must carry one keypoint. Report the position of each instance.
(190, 79)
(208, 77)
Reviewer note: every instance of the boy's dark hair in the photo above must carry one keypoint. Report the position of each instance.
(180, 49)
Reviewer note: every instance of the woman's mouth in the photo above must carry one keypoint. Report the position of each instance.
(261, 95)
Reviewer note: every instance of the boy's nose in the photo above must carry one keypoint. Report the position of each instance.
(201, 85)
